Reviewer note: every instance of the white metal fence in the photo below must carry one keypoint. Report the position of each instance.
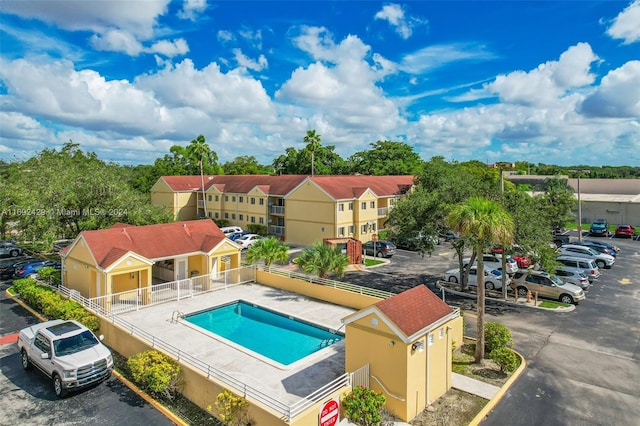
(288, 412)
(134, 300)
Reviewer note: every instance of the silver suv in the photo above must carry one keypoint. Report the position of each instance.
(580, 263)
(547, 286)
(602, 260)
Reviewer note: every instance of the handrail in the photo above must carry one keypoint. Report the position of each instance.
(399, 398)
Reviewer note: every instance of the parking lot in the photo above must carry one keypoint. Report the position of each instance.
(583, 366)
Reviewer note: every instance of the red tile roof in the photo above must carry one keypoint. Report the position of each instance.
(152, 241)
(414, 309)
(339, 187)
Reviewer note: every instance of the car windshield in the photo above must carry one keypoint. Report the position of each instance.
(556, 280)
(72, 344)
(592, 251)
(598, 226)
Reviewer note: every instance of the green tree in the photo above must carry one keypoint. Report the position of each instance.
(198, 150)
(386, 158)
(485, 223)
(270, 250)
(559, 202)
(322, 260)
(312, 139)
(245, 165)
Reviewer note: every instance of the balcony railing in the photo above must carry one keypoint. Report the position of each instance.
(276, 230)
(279, 210)
(382, 211)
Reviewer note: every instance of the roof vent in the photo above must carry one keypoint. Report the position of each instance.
(186, 229)
(126, 234)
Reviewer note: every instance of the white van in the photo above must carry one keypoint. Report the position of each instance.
(228, 230)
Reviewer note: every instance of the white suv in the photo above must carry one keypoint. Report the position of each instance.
(602, 260)
(570, 263)
(494, 261)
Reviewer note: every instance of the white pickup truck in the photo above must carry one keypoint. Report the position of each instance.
(67, 352)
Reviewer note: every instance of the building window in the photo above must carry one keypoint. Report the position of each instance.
(217, 216)
(373, 227)
(209, 197)
(363, 229)
(261, 220)
(217, 198)
(341, 231)
(253, 200)
(233, 198)
(241, 217)
(241, 199)
(253, 219)
(261, 201)
(226, 215)
(351, 229)
(226, 198)
(372, 204)
(441, 333)
(341, 207)
(351, 206)
(209, 214)
(430, 339)
(233, 216)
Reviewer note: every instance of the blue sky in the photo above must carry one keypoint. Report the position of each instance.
(541, 81)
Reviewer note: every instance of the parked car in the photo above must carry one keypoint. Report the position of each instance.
(8, 249)
(599, 228)
(30, 269)
(602, 260)
(379, 248)
(581, 264)
(449, 236)
(228, 230)
(413, 243)
(625, 231)
(246, 241)
(494, 261)
(547, 286)
(237, 235)
(523, 261)
(60, 244)
(606, 244)
(492, 277)
(597, 247)
(574, 277)
(9, 268)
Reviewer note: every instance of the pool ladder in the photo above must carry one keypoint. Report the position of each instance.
(175, 316)
(328, 342)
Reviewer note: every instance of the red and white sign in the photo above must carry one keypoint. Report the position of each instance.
(329, 413)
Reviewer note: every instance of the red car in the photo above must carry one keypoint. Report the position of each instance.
(523, 261)
(625, 231)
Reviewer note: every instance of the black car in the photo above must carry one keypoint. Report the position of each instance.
(599, 228)
(379, 248)
(9, 266)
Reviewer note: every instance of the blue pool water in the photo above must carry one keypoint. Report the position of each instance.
(271, 334)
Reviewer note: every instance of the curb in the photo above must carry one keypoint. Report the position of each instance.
(506, 302)
(164, 410)
(498, 396)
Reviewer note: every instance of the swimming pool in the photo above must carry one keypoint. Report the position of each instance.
(276, 336)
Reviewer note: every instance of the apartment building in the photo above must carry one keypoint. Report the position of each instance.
(300, 209)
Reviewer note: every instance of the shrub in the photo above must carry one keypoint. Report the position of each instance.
(232, 409)
(505, 358)
(156, 373)
(496, 336)
(51, 276)
(256, 228)
(363, 406)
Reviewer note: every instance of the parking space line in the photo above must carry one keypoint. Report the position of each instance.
(9, 338)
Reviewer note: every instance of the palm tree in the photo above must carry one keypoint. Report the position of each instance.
(199, 149)
(322, 260)
(313, 142)
(270, 250)
(484, 223)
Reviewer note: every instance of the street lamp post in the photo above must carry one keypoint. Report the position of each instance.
(579, 172)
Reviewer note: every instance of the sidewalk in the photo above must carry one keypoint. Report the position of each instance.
(473, 386)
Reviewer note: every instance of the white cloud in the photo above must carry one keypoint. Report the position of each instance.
(117, 41)
(618, 94)
(225, 36)
(395, 15)
(191, 9)
(436, 56)
(170, 49)
(546, 83)
(626, 25)
(244, 61)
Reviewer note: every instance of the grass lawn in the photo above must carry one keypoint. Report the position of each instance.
(372, 262)
(553, 305)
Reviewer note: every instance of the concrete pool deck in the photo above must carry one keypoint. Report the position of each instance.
(286, 384)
